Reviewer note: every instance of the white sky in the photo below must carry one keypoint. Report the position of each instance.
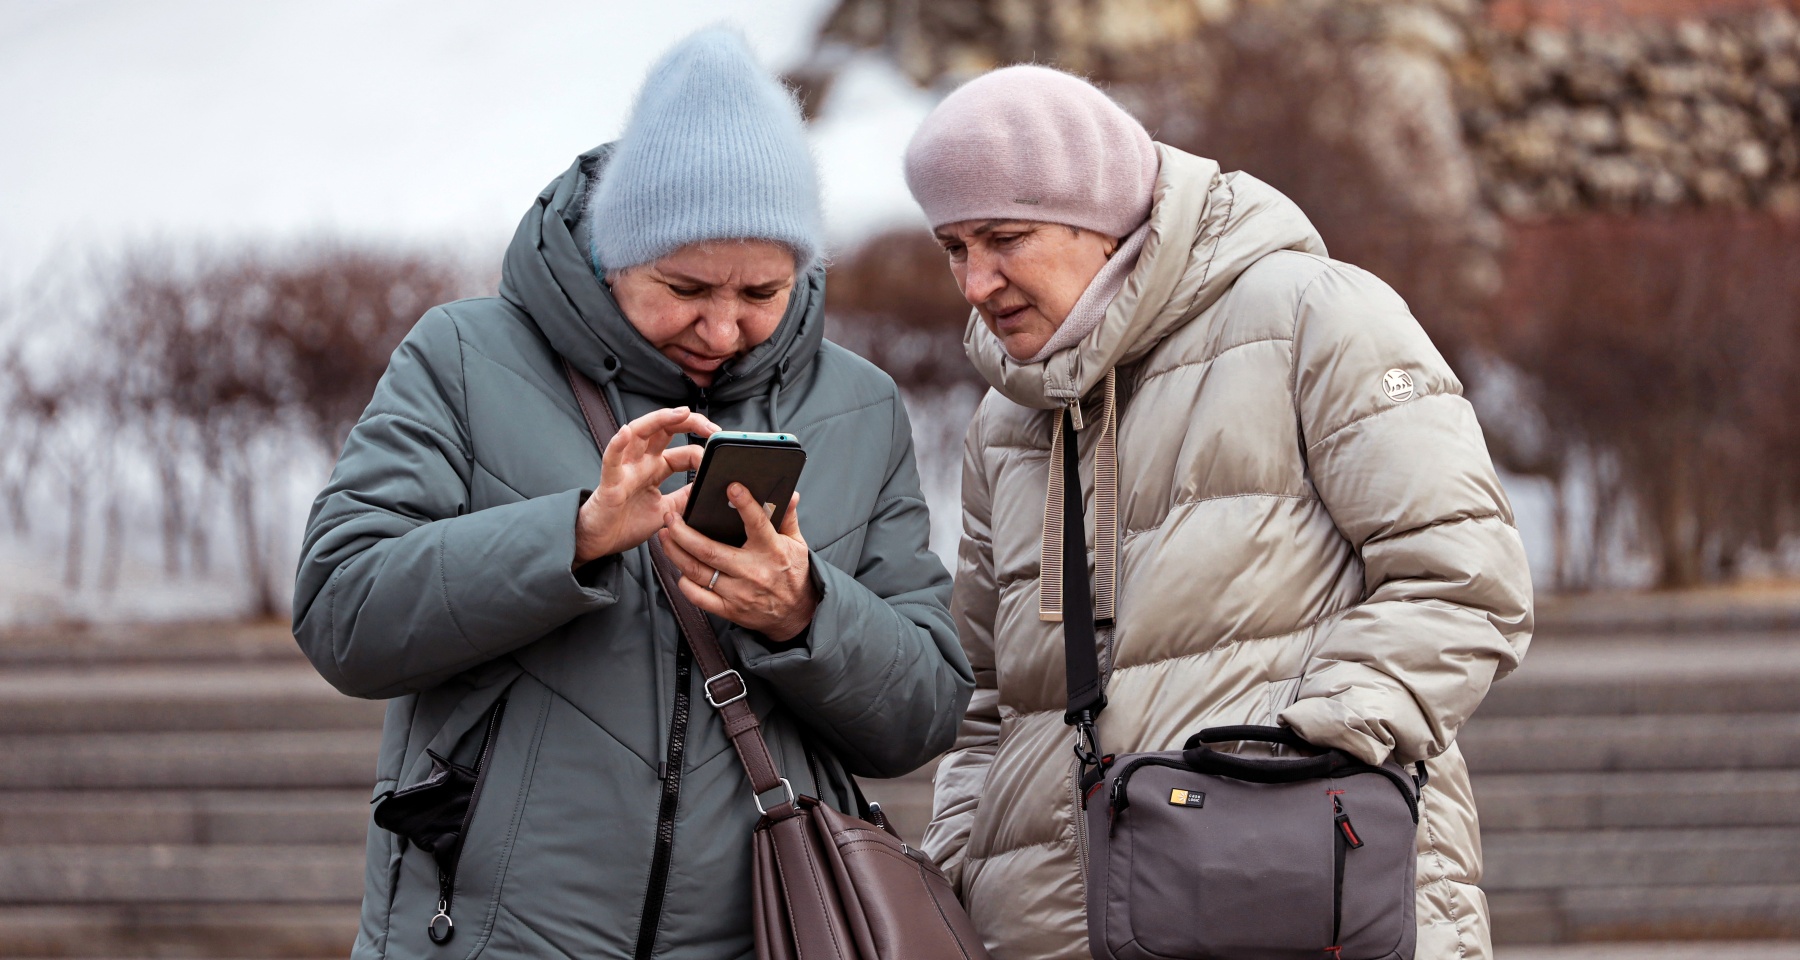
(411, 119)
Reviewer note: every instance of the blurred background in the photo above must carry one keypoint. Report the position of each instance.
(217, 219)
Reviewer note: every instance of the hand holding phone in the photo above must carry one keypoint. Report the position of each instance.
(739, 547)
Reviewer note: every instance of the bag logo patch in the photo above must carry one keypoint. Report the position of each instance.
(1398, 385)
(1186, 798)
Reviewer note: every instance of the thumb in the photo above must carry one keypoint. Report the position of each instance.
(790, 521)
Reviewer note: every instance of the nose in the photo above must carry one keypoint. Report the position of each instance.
(981, 277)
(718, 324)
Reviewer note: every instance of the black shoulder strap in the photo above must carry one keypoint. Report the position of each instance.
(1081, 653)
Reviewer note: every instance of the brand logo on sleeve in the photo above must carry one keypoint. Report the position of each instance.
(1186, 798)
(1398, 385)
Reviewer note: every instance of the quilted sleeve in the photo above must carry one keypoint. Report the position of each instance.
(1398, 459)
(962, 773)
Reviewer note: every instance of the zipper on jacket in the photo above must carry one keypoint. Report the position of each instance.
(665, 814)
(701, 404)
(447, 878)
(1079, 809)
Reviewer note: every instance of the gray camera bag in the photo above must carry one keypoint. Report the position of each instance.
(1195, 854)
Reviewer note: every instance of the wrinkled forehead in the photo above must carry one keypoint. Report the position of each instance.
(743, 263)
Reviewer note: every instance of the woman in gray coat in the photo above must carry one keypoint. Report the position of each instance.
(476, 561)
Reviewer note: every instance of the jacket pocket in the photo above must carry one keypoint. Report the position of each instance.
(435, 814)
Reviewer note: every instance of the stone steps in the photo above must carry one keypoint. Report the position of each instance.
(302, 759)
(1714, 911)
(1647, 857)
(251, 931)
(198, 817)
(181, 873)
(141, 697)
(213, 802)
(1591, 801)
(1695, 742)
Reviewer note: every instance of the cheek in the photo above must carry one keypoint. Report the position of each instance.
(758, 322)
(660, 318)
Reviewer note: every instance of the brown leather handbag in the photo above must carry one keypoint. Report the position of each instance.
(828, 886)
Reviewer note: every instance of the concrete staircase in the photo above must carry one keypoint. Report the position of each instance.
(199, 792)
(1643, 786)
(194, 792)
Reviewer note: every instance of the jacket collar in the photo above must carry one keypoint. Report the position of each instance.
(1206, 228)
(547, 275)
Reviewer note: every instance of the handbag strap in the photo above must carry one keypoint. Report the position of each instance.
(725, 689)
(1081, 649)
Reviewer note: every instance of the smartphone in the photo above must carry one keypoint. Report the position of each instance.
(767, 464)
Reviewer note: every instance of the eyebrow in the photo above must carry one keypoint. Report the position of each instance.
(678, 277)
(986, 227)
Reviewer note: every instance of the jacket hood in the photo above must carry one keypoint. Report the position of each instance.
(547, 275)
(1206, 228)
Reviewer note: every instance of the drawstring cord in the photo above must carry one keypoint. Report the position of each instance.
(1106, 513)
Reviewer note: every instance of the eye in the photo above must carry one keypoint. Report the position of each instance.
(956, 251)
(1006, 239)
(685, 292)
(760, 295)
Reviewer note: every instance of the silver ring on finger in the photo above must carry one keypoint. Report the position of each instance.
(714, 581)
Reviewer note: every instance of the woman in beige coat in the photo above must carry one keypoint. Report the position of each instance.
(1293, 515)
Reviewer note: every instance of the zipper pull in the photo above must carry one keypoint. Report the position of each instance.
(1075, 413)
(1343, 825)
(441, 935)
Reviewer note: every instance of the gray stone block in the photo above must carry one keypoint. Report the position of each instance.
(36, 817)
(253, 931)
(1662, 742)
(293, 873)
(114, 643)
(1696, 912)
(1654, 857)
(1575, 800)
(338, 758)
(149, 697)
(1585, 697)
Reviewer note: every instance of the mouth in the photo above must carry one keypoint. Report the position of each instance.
(700, 362)
(1007, 318)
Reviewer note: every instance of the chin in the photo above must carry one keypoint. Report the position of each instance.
(1023, 349)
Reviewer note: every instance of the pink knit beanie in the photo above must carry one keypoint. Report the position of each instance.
(1032, 143)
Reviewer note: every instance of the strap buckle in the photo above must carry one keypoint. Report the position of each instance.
(743, 689)
(1087, 741)
(791, 796)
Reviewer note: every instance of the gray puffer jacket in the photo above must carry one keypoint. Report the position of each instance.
(613, 819)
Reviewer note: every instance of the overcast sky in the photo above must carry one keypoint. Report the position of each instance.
(412, 119)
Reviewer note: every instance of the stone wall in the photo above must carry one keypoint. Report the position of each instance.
(1649, 114)
(1561, 105)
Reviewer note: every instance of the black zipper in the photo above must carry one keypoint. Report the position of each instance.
(665, 813)
(447, 878)
(701, 404)
(670, 771)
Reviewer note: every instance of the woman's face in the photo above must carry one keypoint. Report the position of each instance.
(707, 303)
(1023, 276)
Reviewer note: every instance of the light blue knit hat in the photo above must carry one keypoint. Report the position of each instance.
(715, 150)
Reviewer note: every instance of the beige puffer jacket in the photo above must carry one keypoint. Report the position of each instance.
(1304, 537)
